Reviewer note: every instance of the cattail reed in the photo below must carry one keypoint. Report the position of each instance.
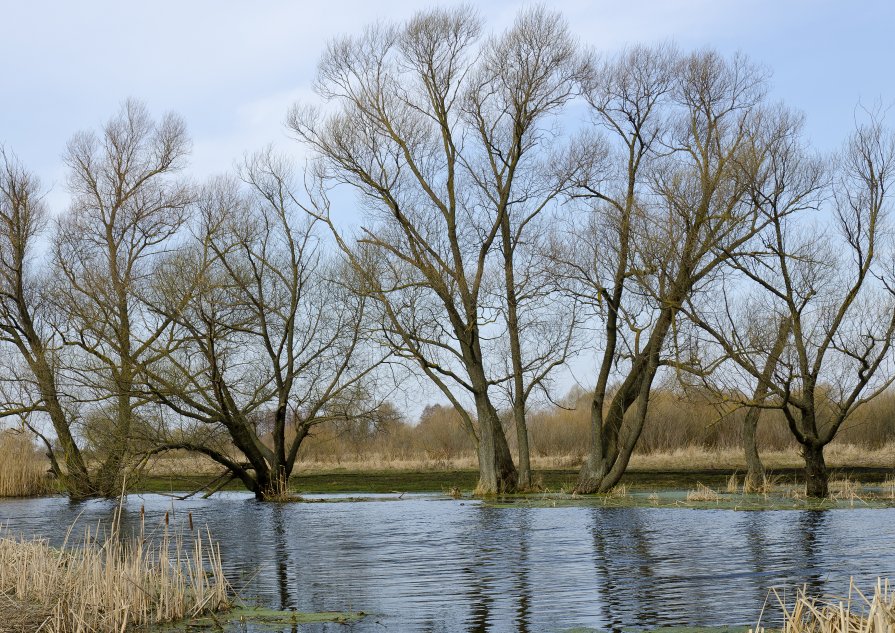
(108, 583)
(22, 469)
(854, 613)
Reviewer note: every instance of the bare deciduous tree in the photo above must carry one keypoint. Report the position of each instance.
(453, 150)
(32, 387)
(667, 209)
(830, 289)
(127, 206)
(270, 331)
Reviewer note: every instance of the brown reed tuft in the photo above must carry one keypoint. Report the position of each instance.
(854, 613)
(23, 471)
(107, 583)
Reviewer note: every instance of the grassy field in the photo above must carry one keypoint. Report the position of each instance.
(682, 469)
(679, 469)
(464, 481)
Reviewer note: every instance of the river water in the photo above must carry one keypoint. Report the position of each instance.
(429, 564)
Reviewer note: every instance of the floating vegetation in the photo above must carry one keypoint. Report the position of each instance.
(264, 619)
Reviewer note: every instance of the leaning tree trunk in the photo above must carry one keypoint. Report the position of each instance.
(75, 477)
(754, 468)
(816, 474)
(612, 444)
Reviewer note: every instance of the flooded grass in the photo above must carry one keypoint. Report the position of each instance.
(702, 497)
(450, 482)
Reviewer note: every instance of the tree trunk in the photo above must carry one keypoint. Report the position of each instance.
(524, 482)
(497, 473)
(612, 443)
(754, 468)
(595, 466)
(75, 478)
(816, 475)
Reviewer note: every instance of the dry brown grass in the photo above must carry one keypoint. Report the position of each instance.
(889, 488)
(108, 583)
(733, 483)
(845, 489)
(18, 617)
(23, 471)
(682, 432)
(703, 493)
(697, 458)
(691, 458)
(855, 613)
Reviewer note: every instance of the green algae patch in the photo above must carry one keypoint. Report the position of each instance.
(263, 619)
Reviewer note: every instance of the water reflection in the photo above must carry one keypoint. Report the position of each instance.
(431, 565)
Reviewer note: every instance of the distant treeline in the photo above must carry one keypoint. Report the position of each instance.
(677, 421)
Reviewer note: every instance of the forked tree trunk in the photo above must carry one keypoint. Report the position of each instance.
(612, 441)
(755, 474)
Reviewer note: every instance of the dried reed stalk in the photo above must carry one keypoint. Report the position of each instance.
(855, 613)
(23, 473)
(107, 583)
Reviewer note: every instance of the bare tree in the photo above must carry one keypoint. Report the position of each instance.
(453, 148)
(127, 207)
(830, 289)
(271, 332)
(32, 388)
(667, 209)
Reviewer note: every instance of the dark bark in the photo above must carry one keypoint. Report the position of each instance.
(816, 475)
(755, 473)
(497, 473)
(754, 468)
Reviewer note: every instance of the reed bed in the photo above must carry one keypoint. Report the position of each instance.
(854, 613)
(889, 488)
(110, 584)
(703, 493)
(23, 472)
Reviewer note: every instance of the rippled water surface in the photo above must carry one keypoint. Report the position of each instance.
(429, 564)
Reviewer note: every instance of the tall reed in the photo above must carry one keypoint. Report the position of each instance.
(106, 583)
(23, 471)
(855, 613)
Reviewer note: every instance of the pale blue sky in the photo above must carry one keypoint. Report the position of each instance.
(233, 68)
